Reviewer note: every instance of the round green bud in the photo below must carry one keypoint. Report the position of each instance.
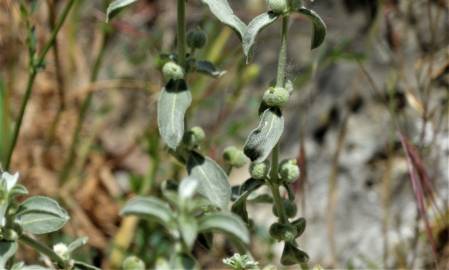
(282, 232)
(278, 6)
(196, 39)
(276, 96)
(259, 170)
(10, 235)
(194, 137)
(289, 171)
(133, 263)
(172, 71)
(289, 208)
(234, 157)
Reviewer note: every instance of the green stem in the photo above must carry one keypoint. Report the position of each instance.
(181, 32)
(280, 81)
(31, 78)
(41, 248)
(282, 60)
(82, 113)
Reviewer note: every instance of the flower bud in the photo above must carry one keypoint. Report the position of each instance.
(196, 39)
(278, 6)
(289, 171)
(62, 251)
(289, 208)
(283, 232)
(194, 137)
(234, 157)
(259, 170)
(10, 235)
(172, 71)
(133, 263)
(276, 96)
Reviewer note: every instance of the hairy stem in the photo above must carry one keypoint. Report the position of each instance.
(32, 76)
(181, 32)
(282, 60)
(43, 249)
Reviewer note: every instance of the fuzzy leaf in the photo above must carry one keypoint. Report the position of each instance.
(239, 206)
(213, 182)
(7, 250)
(39, 215)
(227, 223)
(116, 6)
(78, 265)
(173, 103)
(224, 13)
(262, 140)
(319, 27)
(208, 68)
(148, 207)
(188, 226)
(253, 29)
(293, 255)
(79, 242)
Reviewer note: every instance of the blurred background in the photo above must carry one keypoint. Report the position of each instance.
(367, 122)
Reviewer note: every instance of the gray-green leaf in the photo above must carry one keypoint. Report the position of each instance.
(79, 242)
(213, 182)
(173, 103)
(253, 29)
(319, 27)
(262, 140)
(148, 207)
(189, 228)
(116, 6)
(39, 215)
(227, 223)
(208, 68)
(224, 13)
(79, 265)
(7, 251)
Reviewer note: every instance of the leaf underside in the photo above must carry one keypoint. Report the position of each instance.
(224, 13)
(254, 28)
(319, 27)
(116, 6)
(227, 223)
(148, 207)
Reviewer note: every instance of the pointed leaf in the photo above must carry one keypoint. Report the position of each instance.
(79, 242)
(319, 27)
(227, 223)
(224, 13)
(262, 140)
(213, 182)
(189, 229)
(208, 68)
(39, 215)
(239, 206)
(78, 265)
(116, 6)
(173, 103)
(148, 207)
(7, 250)
(253, 29)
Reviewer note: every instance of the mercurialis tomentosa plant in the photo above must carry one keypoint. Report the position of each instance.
(187, 217)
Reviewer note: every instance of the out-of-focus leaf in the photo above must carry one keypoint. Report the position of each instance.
(148, 207)
(239, 206)
(208, 68)
(187, 187)
(224, 13)
(253, 29)
(173, 103)
(319, 27)
(213, 182)
(7, 251)
(116, 6)
(227, 223)
(78, 265)
(189, 229)
(79, 242)
(262, 140)
(39, 215)
(293, 255)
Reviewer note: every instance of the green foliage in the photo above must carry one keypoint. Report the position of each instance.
(116, 6)
(240, 262)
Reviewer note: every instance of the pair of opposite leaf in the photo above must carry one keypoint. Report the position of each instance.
(247, 33)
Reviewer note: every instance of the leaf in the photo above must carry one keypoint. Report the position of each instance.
(293, 255)
(7, 251)
(84, 266)
(213, 182)
(208, 68)
(239, 206)
(253, 29)
(79, 242)
(262, 140)
(116, 6)
(189, 229)
(187, 187)
(227, 223)
(319, 27)
(173, 103)
(39, 215)
(148, 207)
(18, 190)
(224, 13)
